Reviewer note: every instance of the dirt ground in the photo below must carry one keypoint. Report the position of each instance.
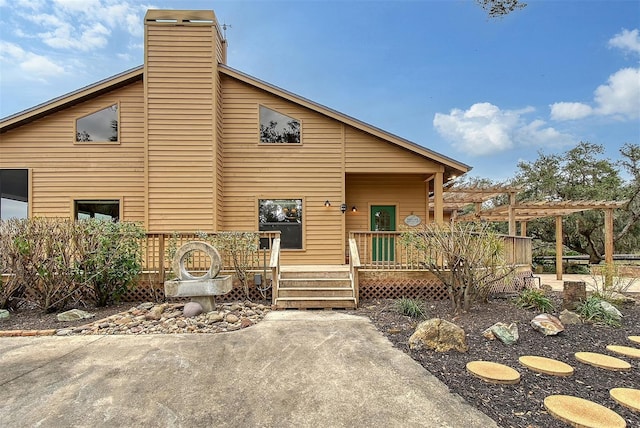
(518, 405)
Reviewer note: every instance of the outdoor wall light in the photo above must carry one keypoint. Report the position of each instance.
(327, 203)
(354, 209)
(343, 208)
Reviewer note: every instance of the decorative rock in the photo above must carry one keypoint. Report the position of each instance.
(146, 306)
(547, 324)
(192, 309)
(231, 318)
(627, 397)
(155, 313)
(493, 372)
(4, 314)
(507, 334)
(623, 299)
(74, 315)
(627, 351)
(64, 332)
(579, 412)
(546, 365)
(439, 335)
(215, 317)
(245, 322)
(610, 309)
(602, 361)
(569, 318)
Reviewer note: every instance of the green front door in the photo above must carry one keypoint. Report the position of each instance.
(383, 219)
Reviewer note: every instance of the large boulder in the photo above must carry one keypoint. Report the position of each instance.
(547, 324)
(568, 318)
(610, 309)
(507, 334)
(438, 335)
(192, 309)
(74, 315)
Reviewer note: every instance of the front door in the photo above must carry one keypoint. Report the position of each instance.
(383, 219)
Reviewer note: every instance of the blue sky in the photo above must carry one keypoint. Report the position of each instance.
(487, 92)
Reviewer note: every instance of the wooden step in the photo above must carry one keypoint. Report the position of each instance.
(317, 303)
(319, 274)
(315, 282)
(315, 292)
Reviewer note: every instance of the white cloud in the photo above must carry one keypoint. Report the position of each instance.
(621, 94)
(619, 97)
(31, 64)
(85, 39)
(570, 111)
(627, 41)
(484, 129)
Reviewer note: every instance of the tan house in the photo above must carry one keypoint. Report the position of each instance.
(186, 143)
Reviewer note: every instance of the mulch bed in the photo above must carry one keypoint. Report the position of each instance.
(518, 405)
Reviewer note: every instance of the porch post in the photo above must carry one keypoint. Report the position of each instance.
(512, 214)
(559, 247)
(438, 201)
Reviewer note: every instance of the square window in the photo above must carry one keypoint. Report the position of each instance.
(284, 215)
(108, 210)
(98, 127)
(277, 128)
(14, 193)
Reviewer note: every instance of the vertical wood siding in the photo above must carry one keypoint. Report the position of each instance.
(311, 170)
(180, 86)
(63, 170)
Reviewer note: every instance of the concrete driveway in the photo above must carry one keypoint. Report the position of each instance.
(294, 369)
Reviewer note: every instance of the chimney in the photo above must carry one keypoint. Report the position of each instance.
(182, 99)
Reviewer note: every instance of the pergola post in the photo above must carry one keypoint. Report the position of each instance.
(559, 247)
(608, 245)
(512, 214)
(523, 228)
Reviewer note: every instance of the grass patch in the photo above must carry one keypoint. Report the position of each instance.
(534, 299)
(413, 308)
(592, 311)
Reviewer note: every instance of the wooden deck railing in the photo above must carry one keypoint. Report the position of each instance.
(157, 247)
(274, 265)
(354, 266)
(383, 251)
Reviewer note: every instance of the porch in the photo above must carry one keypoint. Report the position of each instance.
(377, 267)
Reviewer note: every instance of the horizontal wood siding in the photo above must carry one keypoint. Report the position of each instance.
(63, 170)
(365, 153)
(406, 191)
(180, 86)
(311, 171)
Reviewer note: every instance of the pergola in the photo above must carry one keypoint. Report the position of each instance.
(457, 197)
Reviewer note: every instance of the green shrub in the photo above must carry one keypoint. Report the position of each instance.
(531, 298)
(109, 258)
(411, 307)
(592, 311)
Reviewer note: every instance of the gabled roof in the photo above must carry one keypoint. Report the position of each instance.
(67, 100)
(453, 167)
(456, 168)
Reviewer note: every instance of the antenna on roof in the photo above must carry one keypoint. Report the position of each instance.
(224, 30)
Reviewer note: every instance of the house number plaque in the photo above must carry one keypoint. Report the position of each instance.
(412, 220)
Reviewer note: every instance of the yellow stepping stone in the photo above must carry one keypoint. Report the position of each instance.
(634, 339)
(579, 412)
(627, 351)
(546, 365)
(602, 361)
(493, 372)
(627, 397)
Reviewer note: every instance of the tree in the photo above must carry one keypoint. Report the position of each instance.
(582, 173)
(500, 8)
(468, 258)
